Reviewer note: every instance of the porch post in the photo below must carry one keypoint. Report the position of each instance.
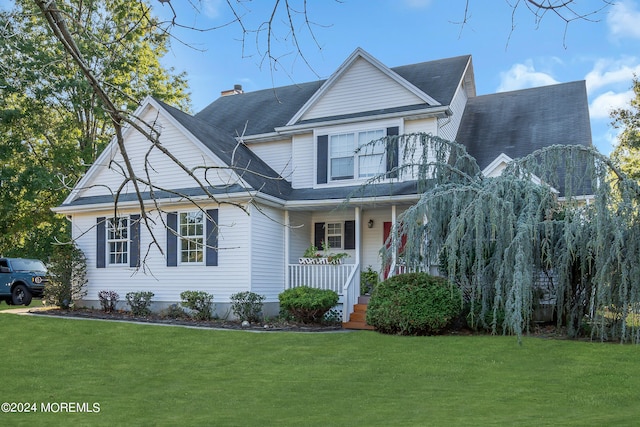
(394, 242)
(358, 218)
(358, 215)
(286, 249)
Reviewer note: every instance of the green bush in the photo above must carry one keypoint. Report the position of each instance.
(368, 281)
(108, 300)
(139, 302)
(247, 306)
(174, 311)
(67, 276)
(198, 301)
(413, 304)
(307, 305)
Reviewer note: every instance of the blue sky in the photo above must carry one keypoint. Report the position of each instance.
(507, 54)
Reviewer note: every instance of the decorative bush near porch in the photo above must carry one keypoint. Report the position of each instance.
(306, 304)
(413, 304)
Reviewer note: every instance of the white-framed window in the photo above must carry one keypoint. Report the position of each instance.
(191, 241)
(334, 235)
(350, 156)
(118, 240)
(371, 161)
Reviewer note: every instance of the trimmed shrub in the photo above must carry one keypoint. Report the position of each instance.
(67, 276)
(108, 300)
(414, 304)
(139, 302)
(198, 301)
(307, 305)
(247, 306)
(174, 311)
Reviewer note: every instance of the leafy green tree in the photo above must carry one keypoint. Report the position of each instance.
(52, 123)
(627, 152)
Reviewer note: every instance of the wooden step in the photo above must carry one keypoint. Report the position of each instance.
(357, 319)
(360, 308)
(358, 316)
(357, 325)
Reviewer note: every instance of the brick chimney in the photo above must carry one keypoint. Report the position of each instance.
(237, 89)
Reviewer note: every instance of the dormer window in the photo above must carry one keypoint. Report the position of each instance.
(348, 155)
(345, 162)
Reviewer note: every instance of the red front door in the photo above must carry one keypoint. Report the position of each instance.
(386, 230)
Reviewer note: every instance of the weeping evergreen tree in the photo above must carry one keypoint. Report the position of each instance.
(563, 216)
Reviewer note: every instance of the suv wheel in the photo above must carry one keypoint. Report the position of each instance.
(21, 295)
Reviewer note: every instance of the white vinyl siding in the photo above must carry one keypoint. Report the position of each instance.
(303, 161)
(428, 126)
(448, 128)
(299, 237)
(362, 87)
(230, 276)
(267, 252)
(276, 154)
(161, 170)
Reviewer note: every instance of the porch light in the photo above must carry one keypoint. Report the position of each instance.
(370, 223)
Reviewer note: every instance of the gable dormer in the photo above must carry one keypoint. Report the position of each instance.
(361, 84)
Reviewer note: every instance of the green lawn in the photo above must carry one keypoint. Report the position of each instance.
(158, 375)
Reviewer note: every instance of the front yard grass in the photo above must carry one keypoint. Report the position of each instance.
(158, 375)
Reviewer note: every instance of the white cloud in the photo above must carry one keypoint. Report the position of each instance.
(607, 73)
(601, 106)
(523, 76)
(623, 19)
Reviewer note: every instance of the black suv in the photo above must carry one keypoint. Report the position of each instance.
(21, 279)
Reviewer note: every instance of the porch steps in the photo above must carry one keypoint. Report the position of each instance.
(357, 318)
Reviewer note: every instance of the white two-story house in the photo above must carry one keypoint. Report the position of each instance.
(273, 170)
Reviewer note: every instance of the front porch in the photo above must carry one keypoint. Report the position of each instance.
(359, 231)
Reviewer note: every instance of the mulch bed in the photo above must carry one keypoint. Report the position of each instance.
(124, 316)
(542, 331)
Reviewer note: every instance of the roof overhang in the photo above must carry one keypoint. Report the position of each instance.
(427, 112)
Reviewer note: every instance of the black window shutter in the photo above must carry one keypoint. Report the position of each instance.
(323, 158)
(172, 239)
(134, 250)
(392, 151)
(350, 234)
(101, 244)
(318, 235)
(211, 230)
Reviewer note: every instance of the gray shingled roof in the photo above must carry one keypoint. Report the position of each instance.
(261, 111)
(520, 122)
(514, 123)
(264, 110)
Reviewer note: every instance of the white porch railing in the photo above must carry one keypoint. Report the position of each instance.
(320, 276)
(350, 293)
(344, 279)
